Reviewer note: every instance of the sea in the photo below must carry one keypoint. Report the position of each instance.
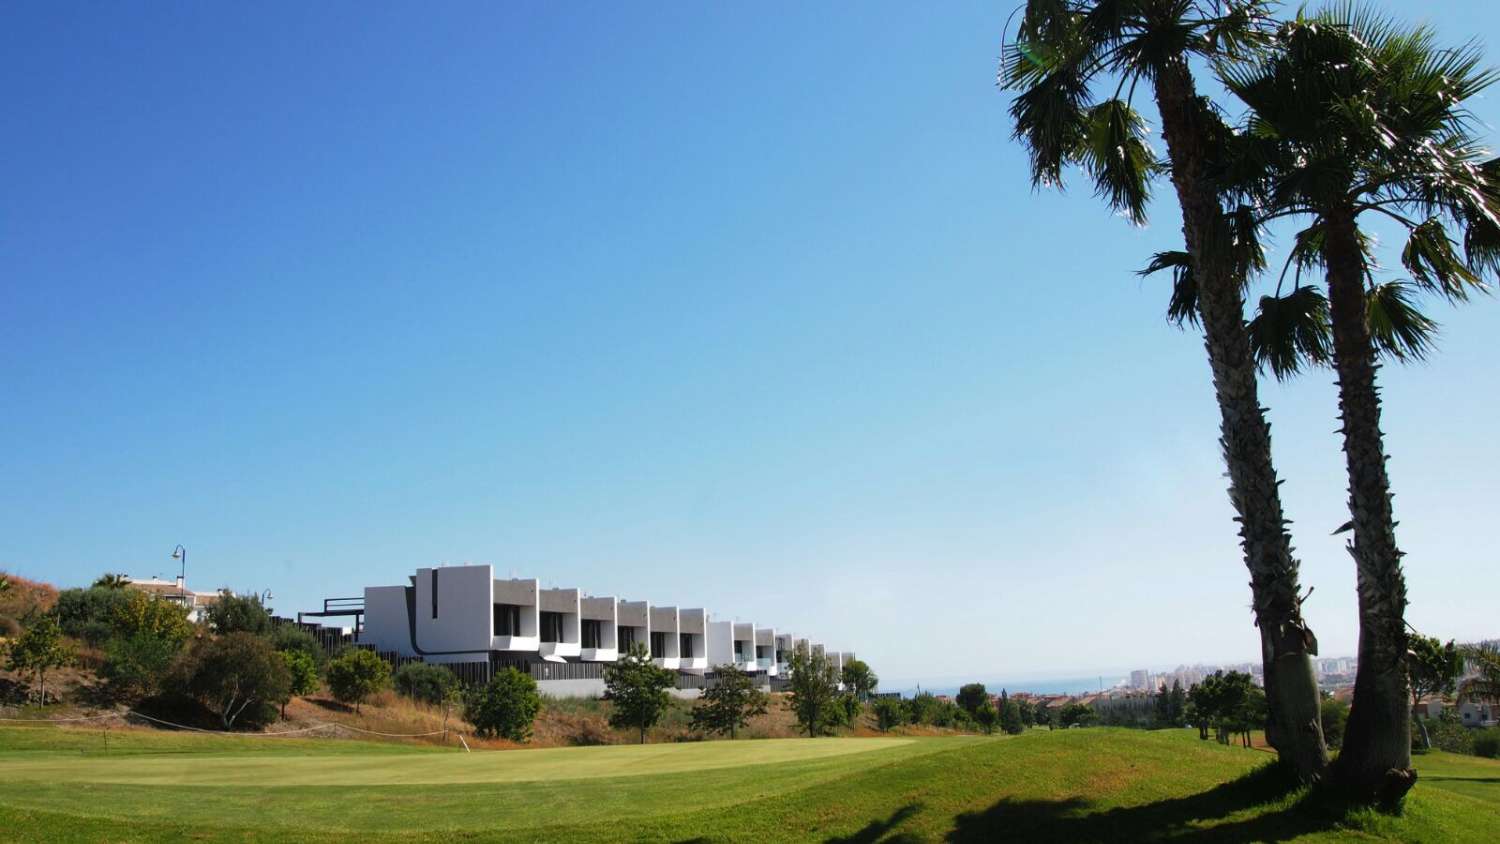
(1043, 686)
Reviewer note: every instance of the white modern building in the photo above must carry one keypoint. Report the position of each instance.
(467, 618)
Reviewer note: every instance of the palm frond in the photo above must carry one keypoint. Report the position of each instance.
(1182, 307)
(1398, 330)
(1290, 332)
(1434, 263)
(1118, 157)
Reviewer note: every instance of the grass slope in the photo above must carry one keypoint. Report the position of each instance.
(1076, 785)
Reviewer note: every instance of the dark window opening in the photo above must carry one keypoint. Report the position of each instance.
(507, 620)
(593, 634)
(658, 645)
(685, 645)
(434, 593)
(625, 637)
(739, 650)
(552, 627)
(762, 651)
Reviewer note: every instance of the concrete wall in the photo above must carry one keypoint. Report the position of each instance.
(744, 638)
(386, 624)
(458, 622)
(720, 643)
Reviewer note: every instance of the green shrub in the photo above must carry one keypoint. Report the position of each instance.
(888, 713)
(288, 637)
(233, 613)
(239, 677)
(89, 614)
(136, 665)
(1334, 714)
(1487, 743)
(505, 707)
(424, 683)
(357, 674)
(1448, 734)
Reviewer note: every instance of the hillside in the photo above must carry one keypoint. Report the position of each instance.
(1074, 785)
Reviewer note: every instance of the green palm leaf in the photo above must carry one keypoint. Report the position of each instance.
(1292, 331)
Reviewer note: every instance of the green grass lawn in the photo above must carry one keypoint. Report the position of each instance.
(1074, 785)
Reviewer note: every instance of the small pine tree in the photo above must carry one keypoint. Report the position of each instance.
(986, 717)
(971, 696)
(304, 674)
(729, 704)
(1010, 717)
(39, 649)
(637, 691)
(356, 675)
(506, 706)
(888, 713)
(814, 687)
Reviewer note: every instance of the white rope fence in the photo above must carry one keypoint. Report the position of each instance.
(322, 725)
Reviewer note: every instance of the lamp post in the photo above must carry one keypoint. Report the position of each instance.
(180, 553)
(265, 600)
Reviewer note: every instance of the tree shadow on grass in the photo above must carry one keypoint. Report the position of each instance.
(878, 830)
(1175, 819)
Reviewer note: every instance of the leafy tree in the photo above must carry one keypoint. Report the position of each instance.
(112, 581)
(986, 716)
(304, 675)
(239, 677)
(888, 713)
(1177, 704)
(1354, 117)
(921, 708)
(142, 613)
(971, 696)
(1043, 716)
(729, 704)
(1434, 669)
(505, 707)
(1065, 54)
(1010, 718)
(90, 614)
(637, 690)
(1075, 714)
(288, 637)
(424, 682)
(1028, 712)
(138, 664)
(813, 692)
(1335, 714)
(39, 649)
(356, 675)
(233, 613)
(859, 679)
(1162, 707)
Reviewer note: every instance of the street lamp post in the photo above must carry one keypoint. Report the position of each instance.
(180, 553)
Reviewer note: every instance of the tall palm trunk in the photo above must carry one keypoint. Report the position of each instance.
(1294, 728)
(1376, 759)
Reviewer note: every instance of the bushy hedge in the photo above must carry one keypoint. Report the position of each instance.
(424, 682)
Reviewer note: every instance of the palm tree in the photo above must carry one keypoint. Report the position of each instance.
(1484, 658)
(1062, 49)
(1353, 117)
(112, 581)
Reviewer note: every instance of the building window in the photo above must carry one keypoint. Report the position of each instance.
(552, 627)
(762, 651)
(685, 645)
(593, 634)
(507, 620)
(625, 637)
(739, 650)
(658, 645)
(434, 593)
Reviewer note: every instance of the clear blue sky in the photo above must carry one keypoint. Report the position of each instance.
(746, 308)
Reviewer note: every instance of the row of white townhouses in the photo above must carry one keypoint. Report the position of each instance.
(464, 614)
